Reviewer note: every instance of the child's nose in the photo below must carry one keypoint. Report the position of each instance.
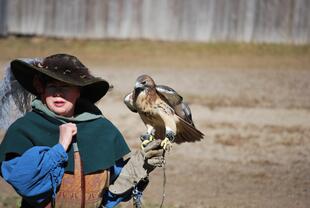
(56, 91)
(59, 91)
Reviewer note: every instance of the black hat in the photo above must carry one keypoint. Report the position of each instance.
(62, 67)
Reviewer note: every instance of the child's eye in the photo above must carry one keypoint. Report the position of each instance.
(51, 87)
(57, 86)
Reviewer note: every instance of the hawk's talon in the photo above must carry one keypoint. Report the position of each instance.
(166, 144)
(146, 139)
(146, 136)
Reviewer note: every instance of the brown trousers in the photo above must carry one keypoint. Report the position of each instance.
(79, 190)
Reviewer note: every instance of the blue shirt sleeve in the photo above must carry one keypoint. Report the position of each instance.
(36, 174)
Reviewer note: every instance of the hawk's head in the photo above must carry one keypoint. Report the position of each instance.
(144, 82)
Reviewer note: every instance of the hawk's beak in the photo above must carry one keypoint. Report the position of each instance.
(139, 85)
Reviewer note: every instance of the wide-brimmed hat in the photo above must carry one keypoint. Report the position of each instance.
(62, 67)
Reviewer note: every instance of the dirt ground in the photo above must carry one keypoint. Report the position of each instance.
(256, 150)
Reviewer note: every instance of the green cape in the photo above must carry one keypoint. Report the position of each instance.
(100, 143)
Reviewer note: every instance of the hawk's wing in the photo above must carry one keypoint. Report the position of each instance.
(128, 100)
(170, 94)
(176, 101)
(184, 112)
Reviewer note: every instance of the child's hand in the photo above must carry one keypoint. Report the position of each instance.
(66, 133)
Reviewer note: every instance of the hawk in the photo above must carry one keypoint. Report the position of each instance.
(163, 112)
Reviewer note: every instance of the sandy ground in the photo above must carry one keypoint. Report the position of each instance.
(256, 151)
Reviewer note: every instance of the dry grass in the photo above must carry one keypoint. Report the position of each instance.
(156, 54)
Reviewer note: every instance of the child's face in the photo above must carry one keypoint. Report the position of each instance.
(60, 97)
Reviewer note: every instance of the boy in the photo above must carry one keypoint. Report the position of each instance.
(64, 151)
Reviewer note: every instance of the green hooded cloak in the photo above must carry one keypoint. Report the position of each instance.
(99, 142)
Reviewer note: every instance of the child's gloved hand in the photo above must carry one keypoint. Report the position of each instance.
(138, 167)
(153, 155)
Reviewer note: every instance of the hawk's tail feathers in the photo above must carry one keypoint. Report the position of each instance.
(187, 133)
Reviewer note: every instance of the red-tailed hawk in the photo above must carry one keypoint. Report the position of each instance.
(163, 112)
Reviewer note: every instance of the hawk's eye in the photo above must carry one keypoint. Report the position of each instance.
(144, 83)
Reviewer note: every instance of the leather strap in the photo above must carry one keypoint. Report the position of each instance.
(79, 190)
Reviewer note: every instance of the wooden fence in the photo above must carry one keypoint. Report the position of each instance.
(272, 21)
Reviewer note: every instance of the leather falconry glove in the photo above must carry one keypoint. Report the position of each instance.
(138, 167)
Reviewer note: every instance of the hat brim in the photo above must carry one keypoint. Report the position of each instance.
(92, 89)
